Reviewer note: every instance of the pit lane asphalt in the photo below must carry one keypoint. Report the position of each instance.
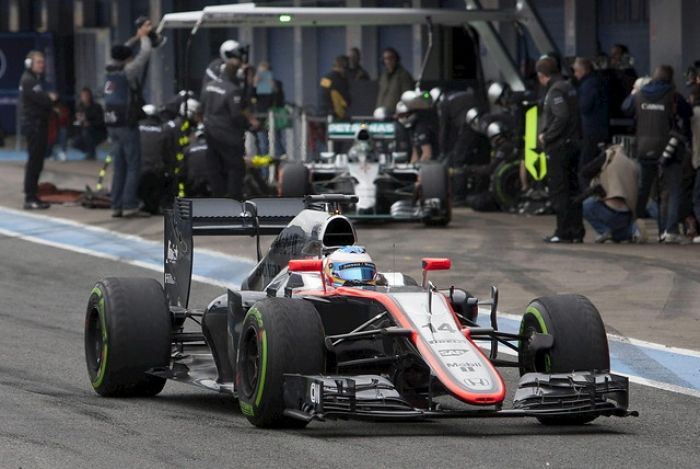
(50, 417)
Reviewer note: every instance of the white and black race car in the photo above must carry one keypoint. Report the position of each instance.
(386, 184)
(292, 348)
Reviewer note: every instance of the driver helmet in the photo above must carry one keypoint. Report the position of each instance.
(349, 264)
(230, 49)
(404, 115)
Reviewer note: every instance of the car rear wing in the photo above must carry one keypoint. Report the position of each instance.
(226, 217)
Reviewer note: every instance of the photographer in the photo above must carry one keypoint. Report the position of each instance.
(662, 124)
(123, 102)
(612, 198)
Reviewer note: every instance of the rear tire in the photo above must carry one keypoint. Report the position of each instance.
(294, 181)
(435, 184)
(580, 342)
(279, 336)
(127, 332)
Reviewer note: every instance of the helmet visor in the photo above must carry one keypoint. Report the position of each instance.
(357, 271)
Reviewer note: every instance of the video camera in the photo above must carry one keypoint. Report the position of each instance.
(157, 40)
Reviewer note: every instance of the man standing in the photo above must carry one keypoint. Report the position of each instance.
(36, 109)
(355, 70)
(123, 101)
(593, 106)
(335, 88)
(559, 137)
(225, 123)
(656, 107)
(393, 81)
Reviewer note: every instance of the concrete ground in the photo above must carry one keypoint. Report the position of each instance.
(649, 292)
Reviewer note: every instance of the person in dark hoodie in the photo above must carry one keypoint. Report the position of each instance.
(660, 114)
(593, 107)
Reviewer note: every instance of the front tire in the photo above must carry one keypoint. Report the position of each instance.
(127, 333)
(294, 180)
(435, 184)
(580, 342)
(279, 336)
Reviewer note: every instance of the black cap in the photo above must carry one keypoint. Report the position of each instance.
(121, 52)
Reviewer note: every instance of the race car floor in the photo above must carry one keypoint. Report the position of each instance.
(50, 417)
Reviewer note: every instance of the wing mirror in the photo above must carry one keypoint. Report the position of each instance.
(305, 265)
(433, 263)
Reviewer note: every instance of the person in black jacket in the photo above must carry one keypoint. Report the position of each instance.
(157, 162)
(593, 107)
(37, 105)
(225, 123)
(559, 137)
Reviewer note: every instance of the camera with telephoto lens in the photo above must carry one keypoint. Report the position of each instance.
(157, 40)
(670, 151)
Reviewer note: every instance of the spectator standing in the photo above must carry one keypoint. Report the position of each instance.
(355, 70)
(656, 111)
(37, 105)
(335, 89)
(393, 81)
(559, 137)
(593, 107)
(90, 119)
(123, 103)
(615, 182)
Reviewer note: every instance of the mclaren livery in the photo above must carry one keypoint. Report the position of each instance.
(315, 332)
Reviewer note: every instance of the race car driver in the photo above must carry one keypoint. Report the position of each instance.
(348, 266)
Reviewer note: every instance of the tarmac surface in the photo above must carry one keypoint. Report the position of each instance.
(50, 417)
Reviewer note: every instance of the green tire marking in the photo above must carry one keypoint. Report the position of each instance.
(247, 409)
(263, 355)
(263, 368)
(543, 327)
(99, 378)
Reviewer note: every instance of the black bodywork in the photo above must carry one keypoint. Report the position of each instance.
(372, 370)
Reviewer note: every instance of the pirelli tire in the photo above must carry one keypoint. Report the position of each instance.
(435, 184)
(506, 185)
(127, 332)
(294, 180)
(278, 336)
(580, 342)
